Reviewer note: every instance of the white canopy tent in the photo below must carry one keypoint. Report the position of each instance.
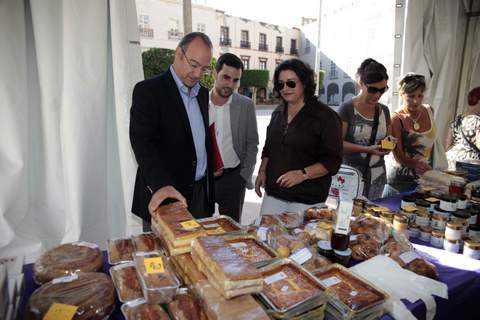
(67, 72)
(66, 165)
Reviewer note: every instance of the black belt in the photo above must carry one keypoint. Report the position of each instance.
(227, 170)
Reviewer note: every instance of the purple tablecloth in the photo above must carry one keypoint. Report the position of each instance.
(461, 274)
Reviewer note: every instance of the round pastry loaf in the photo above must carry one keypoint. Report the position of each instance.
(67, 259)
(92, 292)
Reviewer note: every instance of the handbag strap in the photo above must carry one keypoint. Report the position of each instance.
(472, 145)
(372, 138)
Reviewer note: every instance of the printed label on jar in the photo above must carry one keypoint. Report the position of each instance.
(451, 247)
(439, 224)
(448, 206)
(330, 281)
(462, 204)
(262, 233)
(422, 221)
(453, 234)
(275, 277)
(301, 256)
(472, 219)
(436, 242)
(409, 256)
(473, 233)
(474, 254)
(425, 236)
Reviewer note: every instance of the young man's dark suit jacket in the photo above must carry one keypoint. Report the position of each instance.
(162, 141)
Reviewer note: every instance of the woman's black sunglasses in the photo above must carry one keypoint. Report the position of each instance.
(290, 83)
(374, 90)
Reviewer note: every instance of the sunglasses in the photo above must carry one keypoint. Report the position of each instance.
(374, 90)
(290, 83)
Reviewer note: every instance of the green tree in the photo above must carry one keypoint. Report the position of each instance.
(156, 61)
(208, 80)
(254, 79)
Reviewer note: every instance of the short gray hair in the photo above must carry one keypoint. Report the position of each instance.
(412, 82)
(189, 37)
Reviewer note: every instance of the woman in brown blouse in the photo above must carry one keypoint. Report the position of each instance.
(303, 147)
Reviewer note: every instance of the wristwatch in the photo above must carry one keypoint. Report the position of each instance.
(305, 174)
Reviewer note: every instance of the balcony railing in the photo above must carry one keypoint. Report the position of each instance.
(262, 47)
(245, 44)
(279, 49)
(293, 51)
(174, 34)
(146, 32)
(225, 42)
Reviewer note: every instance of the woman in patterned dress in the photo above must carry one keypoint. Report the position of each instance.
(462, 142)
(414, 128)
(358, 116)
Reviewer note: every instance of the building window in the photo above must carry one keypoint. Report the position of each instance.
(333, 70)
(293, 47)
(245, 61)
(201, 27)
(174, 29)
(244, 42)
(144, 26)
(262, 44)
(279, 45)
(262, 63)
(224, 36)
(307, 46)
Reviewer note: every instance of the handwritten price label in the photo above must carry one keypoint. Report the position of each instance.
(190, 224)
(213, 232)
(60, 311)
(154, 265)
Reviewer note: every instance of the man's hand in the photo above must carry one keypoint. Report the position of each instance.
(260, 182)
(290, 178)
(163, 193)
(218, 173)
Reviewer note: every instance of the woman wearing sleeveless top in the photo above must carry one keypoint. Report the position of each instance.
(361, 144)
(463, 140)
(414, 128)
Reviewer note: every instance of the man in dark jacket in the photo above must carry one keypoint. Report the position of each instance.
(169, 133)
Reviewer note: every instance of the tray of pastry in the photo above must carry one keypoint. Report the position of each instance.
(348, 294)
(186, 269)
(251, 249)
(140, 309)
(146, 241)
(157, 279)
(290, 290)
(267, 220)
(119, 250)
(220, 225)
(291, 220)
(126, 282)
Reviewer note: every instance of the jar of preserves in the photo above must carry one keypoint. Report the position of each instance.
(410, 212)
(414, 231)
(436, 239)
(439, 222)
(407, 200)
(456, 187)
(451, 245)
(400, 223)
(448, 203)
(340, 241)
(453, 231)
(422, 206)
(471, 248)
(462, 202)
(474, 230)
(425, 233)
(433, 202)
(342, 256)
(438, 210)
(325, 249)
(422, 218)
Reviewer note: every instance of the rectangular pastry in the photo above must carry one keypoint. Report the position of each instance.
(140, 309)
(120, 250)
(251, 249)
(219, 225)
(146, 241)
(178, 225)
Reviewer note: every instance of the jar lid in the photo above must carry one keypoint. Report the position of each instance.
(408, 198)
(472, 243)
(454, 225)
(422, 203)
(427, 229)
(448, 198)
(451, 241)
(475, 227)
(344, 253)
(324, 245)
(439, 216)
(400, 218)
(432, 200)
(463, 214)
(438, 233)
(437, 208)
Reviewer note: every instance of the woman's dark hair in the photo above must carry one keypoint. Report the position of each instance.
(230, 60)
(411, 82)
(371, 71)
(303, 72)
(474, 96)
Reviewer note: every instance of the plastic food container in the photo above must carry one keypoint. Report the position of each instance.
(120, 250)
(159, 283)
(220, 225)
(126, 282)
(140, 309)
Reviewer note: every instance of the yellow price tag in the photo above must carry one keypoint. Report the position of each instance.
(426, 188)
(432, 199)
(380, 209)
(154, 265)
(190, 224)
(409, 208)
(60, 311)
(212, 232)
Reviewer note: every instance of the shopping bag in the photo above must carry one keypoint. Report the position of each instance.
(348, 182)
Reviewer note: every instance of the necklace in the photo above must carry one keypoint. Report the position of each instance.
(416, 125)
